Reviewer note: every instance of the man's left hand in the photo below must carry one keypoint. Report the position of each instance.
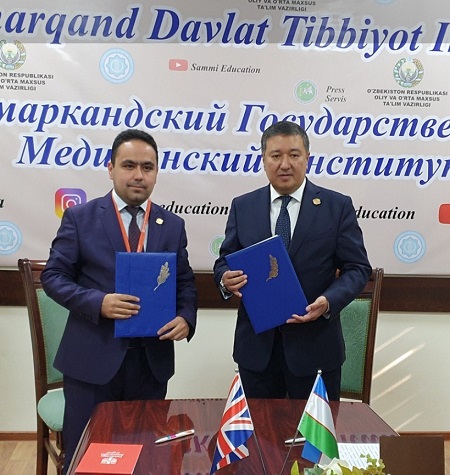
(176, 330)
(315, 310)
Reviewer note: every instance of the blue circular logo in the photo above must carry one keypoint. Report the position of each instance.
(409, 247)
(10, 238)
(117, 66)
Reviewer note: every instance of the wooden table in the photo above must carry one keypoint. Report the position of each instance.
(275, 420)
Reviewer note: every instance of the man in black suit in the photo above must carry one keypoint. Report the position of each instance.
(80, 275)
(325, 240)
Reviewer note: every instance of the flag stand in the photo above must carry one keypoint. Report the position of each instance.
(260, 453)
(319, 373)
(289, 452)
(236, 427)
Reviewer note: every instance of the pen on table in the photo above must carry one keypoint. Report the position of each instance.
(297, 440)
(178, 435)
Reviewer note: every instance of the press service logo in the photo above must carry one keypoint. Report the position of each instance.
(214, 245)
(305, 91)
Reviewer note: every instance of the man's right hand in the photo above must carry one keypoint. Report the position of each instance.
(233, 280)
(119, 306)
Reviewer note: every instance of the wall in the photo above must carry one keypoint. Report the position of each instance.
(411, 379)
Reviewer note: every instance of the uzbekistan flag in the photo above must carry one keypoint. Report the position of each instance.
(235, 428)
(317, 426)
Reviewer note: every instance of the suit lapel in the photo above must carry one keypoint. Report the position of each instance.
(261, 213)
(306, 217)
(155, 226)
(111, 225)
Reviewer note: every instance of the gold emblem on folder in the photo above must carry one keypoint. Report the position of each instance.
(317, 201)
(273, 268)
(163, 275)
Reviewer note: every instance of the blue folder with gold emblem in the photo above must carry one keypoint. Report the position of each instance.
(152, 277)
(273, 292)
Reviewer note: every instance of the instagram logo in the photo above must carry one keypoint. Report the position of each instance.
(67, 197)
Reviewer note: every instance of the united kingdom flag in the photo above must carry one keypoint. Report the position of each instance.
(235, 428)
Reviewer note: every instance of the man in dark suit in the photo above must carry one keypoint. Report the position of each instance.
(323, 240)
(80, 275)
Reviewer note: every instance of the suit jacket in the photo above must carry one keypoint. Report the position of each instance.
(81, 271)
(326, 237)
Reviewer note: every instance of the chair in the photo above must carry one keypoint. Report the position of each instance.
(47, 321)
(359, 322)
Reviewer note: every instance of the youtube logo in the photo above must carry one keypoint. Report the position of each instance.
(178, 64)
(444, 214)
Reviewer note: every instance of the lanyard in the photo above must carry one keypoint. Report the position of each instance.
(124, 232)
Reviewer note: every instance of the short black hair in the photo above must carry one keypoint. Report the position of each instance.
(132, 134)
(284, 127)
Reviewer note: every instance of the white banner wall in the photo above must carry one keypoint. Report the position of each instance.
(366, 78)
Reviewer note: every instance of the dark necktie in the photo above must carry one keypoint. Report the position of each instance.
(283, 226)
(134, 232)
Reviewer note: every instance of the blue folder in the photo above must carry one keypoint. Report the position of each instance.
(273, 292)
(152, 277)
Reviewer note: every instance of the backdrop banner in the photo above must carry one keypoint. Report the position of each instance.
(367, 79)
